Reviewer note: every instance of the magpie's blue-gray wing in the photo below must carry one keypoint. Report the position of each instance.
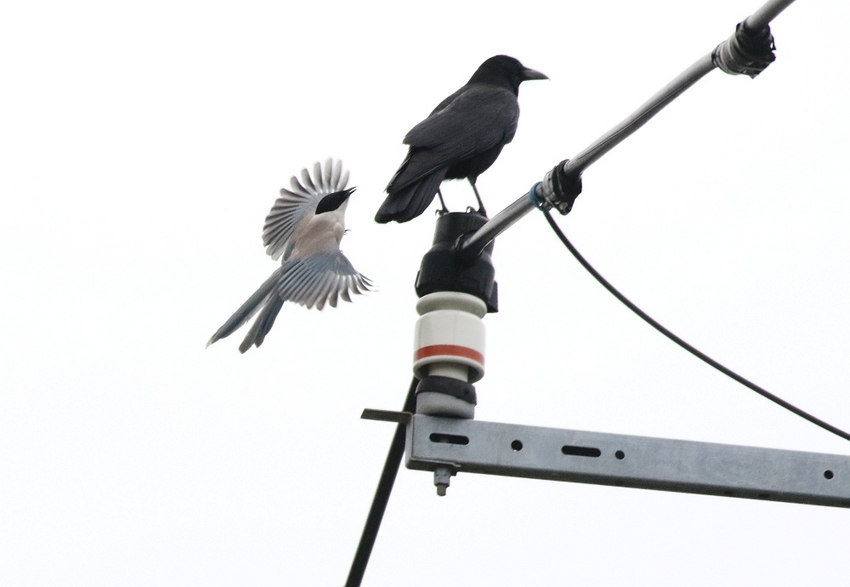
(319, 279)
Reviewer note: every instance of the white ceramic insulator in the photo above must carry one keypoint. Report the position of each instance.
(449, 336)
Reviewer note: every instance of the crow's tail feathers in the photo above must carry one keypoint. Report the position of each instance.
(412, 200)
(263, 296)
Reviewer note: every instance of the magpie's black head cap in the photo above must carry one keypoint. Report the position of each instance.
(333, 201)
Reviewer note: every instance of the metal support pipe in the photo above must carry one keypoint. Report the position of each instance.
(576, 166)
(473, 245)
(510, 215)
(762, 17)
(641, 116)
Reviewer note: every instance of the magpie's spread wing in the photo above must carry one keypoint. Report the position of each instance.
(296, 203)
(319, 279)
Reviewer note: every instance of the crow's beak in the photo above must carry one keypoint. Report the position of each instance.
(529, 74)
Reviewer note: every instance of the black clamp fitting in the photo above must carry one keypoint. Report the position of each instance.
(559, 188)
(747, 52)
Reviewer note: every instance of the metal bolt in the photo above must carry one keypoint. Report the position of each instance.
(442, 478)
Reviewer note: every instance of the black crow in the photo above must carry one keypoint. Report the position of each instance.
(461, 138)
(304, 227)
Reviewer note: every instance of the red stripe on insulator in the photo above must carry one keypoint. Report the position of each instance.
(448, 349)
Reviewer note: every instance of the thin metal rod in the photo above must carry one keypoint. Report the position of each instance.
(497, 225)
(641, 116)
(505, 219)
(762, 17)
(510, 215)
(382, 496)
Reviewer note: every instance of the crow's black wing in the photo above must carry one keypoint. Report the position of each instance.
(478, 119)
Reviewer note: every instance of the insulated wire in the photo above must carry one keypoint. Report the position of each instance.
(697, 353)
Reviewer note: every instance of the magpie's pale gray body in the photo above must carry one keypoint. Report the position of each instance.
(303, 229)
(461, 138)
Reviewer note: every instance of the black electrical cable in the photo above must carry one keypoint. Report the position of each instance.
(382, 495)
(699, 354)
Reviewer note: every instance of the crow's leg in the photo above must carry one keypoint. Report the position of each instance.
(481, 209)
(442, 202)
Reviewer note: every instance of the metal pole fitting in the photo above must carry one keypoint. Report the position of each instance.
(456, 291)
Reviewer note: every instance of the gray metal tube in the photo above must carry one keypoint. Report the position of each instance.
(641, 116)
(497, 225)
(762, 17)
(507, 217)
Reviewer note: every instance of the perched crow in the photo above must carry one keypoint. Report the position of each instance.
(305, 225)
(461, 138)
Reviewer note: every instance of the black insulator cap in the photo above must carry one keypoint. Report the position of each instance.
(446, 268)
(449, 386)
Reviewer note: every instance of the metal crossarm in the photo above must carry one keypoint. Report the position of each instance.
(473, 446)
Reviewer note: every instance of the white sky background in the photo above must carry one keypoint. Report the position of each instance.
(142, 146)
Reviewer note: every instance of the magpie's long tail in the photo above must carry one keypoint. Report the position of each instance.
(262, 297)
(262, 324)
